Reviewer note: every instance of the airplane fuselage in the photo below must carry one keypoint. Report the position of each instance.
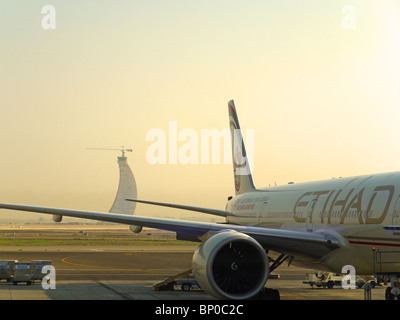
(364, 211)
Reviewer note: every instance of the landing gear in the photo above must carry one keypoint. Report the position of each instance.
(380, 260)
(393, 292)
(273, 294)
(388, 294)
(278, 261)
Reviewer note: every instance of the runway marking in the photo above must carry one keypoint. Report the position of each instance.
(64, 260)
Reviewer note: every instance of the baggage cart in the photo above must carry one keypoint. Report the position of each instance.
(7, 269)
(22, 273)
(36, 268)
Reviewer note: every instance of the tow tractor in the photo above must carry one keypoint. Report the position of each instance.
(330, 280)
(325, 280)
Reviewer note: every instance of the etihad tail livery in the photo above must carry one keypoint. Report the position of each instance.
(326, 225)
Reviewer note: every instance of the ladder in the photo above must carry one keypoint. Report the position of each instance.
(168, 283)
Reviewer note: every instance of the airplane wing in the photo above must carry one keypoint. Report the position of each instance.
(216, 212)
(314, 244)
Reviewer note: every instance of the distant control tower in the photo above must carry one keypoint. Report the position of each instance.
(126, 189)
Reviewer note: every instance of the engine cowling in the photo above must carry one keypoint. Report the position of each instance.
(231, 265)
(136, 229)
(57, 217)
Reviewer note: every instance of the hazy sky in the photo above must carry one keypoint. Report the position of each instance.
(317, 81)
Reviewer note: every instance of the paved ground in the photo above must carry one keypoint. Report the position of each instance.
(114, 272)
(128, 273)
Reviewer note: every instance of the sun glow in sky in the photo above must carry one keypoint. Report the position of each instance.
(317, 81)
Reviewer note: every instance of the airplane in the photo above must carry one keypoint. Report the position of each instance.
(324, 224)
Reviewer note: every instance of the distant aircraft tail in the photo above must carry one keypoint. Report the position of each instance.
(241, 168)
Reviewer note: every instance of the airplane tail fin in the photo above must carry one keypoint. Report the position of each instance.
(241, 168)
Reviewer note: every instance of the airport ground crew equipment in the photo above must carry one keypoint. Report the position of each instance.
(7, 269)
(187, 283)
(22, 273)
(16, 272)
(169, 283)
(330, 280)
(381, 260)
(36, 268)
(325, 280)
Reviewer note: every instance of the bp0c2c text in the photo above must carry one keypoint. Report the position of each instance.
(225, 309)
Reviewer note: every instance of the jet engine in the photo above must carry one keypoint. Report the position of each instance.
(231, 265)
(57, 217)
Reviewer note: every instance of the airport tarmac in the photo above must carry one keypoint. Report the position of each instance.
(128, 273)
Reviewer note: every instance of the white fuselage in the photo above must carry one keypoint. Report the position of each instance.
(363, 210)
